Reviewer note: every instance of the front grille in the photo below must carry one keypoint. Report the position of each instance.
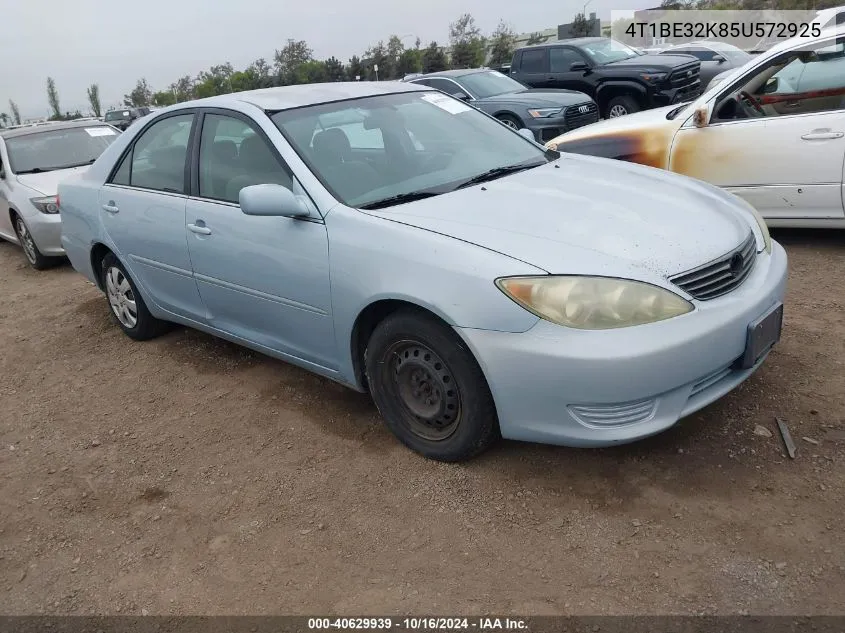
(720, 276)
(685, 76)
(580, 115)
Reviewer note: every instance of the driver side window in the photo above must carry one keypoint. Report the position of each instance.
(807, 81)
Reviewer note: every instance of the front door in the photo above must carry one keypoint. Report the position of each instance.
(781, 144)
(262, 279)
(143, 211)
(561, 59)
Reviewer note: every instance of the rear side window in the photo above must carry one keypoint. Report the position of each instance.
(533, 61)
(157, 160)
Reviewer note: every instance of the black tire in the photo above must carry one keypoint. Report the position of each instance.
(146, 326)
(626, 103)
(429, 389)
(510, 120)
(34, 257)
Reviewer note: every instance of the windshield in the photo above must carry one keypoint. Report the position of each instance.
(58, 149)
(116, 115)
(733, 54)
(606, 51)
(376, 148)
(489, 83)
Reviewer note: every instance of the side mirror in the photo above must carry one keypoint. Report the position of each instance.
(271, 200)
(771, 86)
(578, 67)
(524, 131)
(719, 59)
(699, 118)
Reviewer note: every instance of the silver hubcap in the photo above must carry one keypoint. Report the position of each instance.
(26, 242)
(511, 124)
(120, 296)
(616, 111)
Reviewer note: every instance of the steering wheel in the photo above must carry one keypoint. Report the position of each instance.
(750, 104)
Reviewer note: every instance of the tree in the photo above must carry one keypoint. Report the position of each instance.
(354, 69)
(410, 61)
(377, 56)
(535, 38)
(53, 99)
(395, 48)
(580, 27)
(214, 81)
(164, 98)
(16, 114)
(434, 59)
(183, 88)
(468, 46)
(288, 60)
(94, 99)
(334, 69)
(260, 70)
(140, 96)
(4, 119)
(503, 42)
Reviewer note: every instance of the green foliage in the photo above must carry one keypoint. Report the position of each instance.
(410, 61)
(183, 88)
(288, 62)
(355, 69)
(4, 119)
(53, 99)
(377, 56)
(334, 69)
(580, 27)
(140, 96)
(94, 99)
(214, 81)
(16, 114)
(434, 59)
(535, 38)
(164, 98)
(469, 47)
(502, 44)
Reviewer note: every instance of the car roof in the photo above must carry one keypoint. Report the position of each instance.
(799, 42)
(287, 97)
(577, 41)
(52, 125)
(463, 72)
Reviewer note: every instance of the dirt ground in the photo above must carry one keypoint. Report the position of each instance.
(190, 476)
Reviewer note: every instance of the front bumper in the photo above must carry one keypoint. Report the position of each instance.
(571, 387)
(671, 96)
(46, 230)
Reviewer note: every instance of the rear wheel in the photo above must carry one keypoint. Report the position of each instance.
(126, 304)
(429, 388)
(620, 106)
(30, 249)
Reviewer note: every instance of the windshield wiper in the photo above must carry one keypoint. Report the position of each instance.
(399, 199)
(497, 172)
(89, 162)
(36, 170)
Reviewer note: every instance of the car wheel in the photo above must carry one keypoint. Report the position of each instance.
(620, 106)
(429, 389)
(126, 304)
(510, 121)
(30, 248)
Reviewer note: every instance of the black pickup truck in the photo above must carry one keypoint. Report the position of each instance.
(620, 79)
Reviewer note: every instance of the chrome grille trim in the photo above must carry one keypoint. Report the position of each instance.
(720, 276)
(573, 118)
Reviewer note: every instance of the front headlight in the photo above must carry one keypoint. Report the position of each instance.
(593, 303)
(767, 239)
(654, 78)
(48, 204)
(544, 113)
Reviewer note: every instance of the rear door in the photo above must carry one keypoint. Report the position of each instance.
(143, 212)
(532, 67)
(6, 229)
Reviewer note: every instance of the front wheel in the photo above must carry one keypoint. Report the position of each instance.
(511, 121)
(34, 256)
(429, 388)
(620, 106)
(126, 304)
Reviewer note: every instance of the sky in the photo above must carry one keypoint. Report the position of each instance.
(116, 42)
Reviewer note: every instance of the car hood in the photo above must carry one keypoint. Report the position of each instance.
(656, 62)
(48, 183)
(588, 215)
(540, 97)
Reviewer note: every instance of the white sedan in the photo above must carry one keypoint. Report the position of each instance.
(771, 132)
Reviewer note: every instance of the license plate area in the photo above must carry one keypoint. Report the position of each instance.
(762, 335)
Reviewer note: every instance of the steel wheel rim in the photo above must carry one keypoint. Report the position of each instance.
(27, 242)
(121, 298)
(510, 124)
(617, 111)
(426, 390)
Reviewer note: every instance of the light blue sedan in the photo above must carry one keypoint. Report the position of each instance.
(398, 241)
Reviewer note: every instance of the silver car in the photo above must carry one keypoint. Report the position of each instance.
(33, 160)
(398, 241)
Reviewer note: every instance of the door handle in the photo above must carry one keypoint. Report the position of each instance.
(200, 230)
(111, 207)
(821, 136)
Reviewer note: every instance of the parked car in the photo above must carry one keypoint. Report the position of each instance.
(772, 132)
(124, 117)
(33, 159)
(715, 57)
(471, 281)
(547, 113)
(616, 76)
